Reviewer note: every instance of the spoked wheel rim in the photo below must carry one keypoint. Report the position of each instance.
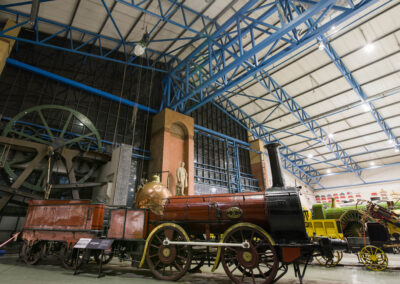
(168, 262)
(70, 258)
(351, 223)
(31, 253)
(374, 258)
(256, 264)
(62, 144)
(324, 261)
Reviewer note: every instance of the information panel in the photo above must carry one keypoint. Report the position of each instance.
(82, 243)
(100, 244)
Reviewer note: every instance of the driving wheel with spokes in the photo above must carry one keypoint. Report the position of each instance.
(168, 262)
(256, 264)
(31, 253)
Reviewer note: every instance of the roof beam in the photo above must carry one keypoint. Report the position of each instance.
(316, 69)
(291, 105)
(358, 90)
(167, 8)
(90, 39)
(205, 74)
(292, 162)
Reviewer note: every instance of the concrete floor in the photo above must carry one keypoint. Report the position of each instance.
(14, 271)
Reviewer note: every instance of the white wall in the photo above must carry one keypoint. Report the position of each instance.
(351, 183)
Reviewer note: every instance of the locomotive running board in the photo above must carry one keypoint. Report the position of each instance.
(167, 242)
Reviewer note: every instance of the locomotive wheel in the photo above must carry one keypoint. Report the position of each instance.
(374, 258)
(256, 264)
(31, 253)
(69, 258)
(351, 223)
(168, 262)
(337, 257)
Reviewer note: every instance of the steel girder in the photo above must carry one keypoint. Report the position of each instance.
(222, 61)
(358, 90)
(293, 162)
(291, 105)
(87, 39)
(164, 11)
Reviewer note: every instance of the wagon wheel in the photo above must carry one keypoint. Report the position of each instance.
(374, 258)
(33, 172)
(351, 223)
(31, 254)
(324, 261)
(256, 264)
(107, 257)
(69, 257)
(168, 262)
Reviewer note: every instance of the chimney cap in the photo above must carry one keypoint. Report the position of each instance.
(272, 145)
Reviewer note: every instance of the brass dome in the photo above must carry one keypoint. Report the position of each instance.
(153, 196)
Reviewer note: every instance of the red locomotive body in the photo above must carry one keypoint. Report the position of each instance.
(216, 212)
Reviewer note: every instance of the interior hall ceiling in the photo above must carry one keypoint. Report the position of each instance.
(368, 45)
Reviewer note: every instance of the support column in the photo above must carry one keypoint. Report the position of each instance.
(258, 163)
(7, 44)
(115, 174)
(171, 143)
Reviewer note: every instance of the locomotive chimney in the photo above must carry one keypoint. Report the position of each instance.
(275, 162)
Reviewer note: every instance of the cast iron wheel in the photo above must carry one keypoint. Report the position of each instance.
(30, 166)
(168, 262)
(107, 257)
(69, 258)
(31, 253)
(256, 264)
(337, 257)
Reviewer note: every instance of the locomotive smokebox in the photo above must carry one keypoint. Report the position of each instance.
(275, 162)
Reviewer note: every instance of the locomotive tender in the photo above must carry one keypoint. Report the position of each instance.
(253, 235)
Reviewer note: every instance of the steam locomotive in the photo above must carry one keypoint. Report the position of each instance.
(254, 236)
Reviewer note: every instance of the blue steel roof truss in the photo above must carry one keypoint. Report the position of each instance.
(222, 60)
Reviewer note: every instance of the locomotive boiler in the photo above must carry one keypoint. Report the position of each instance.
(254, 236)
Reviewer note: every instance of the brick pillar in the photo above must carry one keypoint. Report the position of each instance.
(7, 44)
(171, 143)
(258, 164)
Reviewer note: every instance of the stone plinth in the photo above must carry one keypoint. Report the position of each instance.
(172, 143)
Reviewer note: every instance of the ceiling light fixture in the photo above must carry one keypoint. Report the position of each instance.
(396, 150)
(369, 47)
(310, 156)
(390, 141)
(366, 107)
(330, 135)
(372, 163)
(321, 46)
(328, 171)
(333, 28)
(140, 47)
